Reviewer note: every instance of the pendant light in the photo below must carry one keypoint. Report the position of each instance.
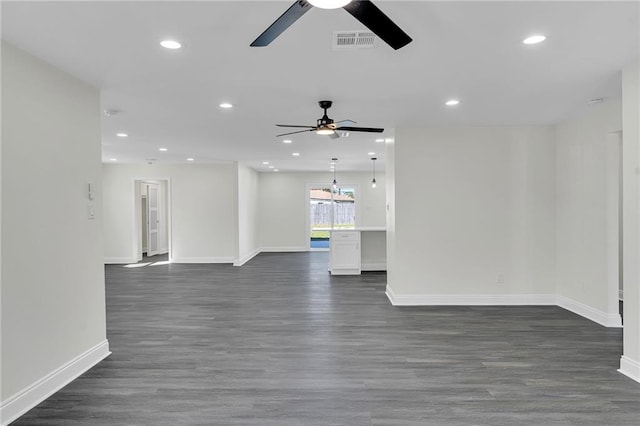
(373, 181)
(334, 163)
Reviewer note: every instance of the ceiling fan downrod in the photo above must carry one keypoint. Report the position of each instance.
(325, 120)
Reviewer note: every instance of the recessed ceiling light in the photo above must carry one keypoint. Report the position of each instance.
(113, 159)
(379, 140)
(287, 141)
(122, 135)
(226, 105)
(191, 159)
(271, 167)
(452, 102)
(534, 39)
(595, 101)
(296, 154)
(388, 140)
(276, 170)
(265, 162)
(163, 149)
(371, 153)
(170, 44)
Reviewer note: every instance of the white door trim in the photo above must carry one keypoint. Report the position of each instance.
(153, 218)
(136, 243)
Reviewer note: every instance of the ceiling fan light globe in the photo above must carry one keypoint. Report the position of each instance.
(324, 132)
(329, 4)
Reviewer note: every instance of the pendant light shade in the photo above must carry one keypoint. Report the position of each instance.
(373, 181)
(334, 163)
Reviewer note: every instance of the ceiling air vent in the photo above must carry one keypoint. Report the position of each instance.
(353, 39)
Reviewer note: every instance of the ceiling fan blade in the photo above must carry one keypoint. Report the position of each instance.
(345, 121)
(299, 131)
(295, 125)
(297, 9)
(361, 129)
(334, 135)
(379, 23)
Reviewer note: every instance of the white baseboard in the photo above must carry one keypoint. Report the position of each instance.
(236, 262)
(630, 368)
(374, 266)
(23, 401)
(202, 260)
(247, 257)
(119, 260)
(282, 249)
(469, 299)
(595, 315)
(345, 271)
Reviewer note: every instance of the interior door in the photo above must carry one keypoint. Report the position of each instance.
(152, 219)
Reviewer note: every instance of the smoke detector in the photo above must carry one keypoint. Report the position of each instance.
(111, 112)
(595, 101)
(353, 39)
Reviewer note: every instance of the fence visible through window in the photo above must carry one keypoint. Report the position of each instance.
(330, 208)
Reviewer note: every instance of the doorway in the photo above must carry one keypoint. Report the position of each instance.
(152, 218)
(614, 222)
(143, 223)
(329, 207)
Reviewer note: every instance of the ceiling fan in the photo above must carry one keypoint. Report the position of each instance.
(364, 11)
(326, 126)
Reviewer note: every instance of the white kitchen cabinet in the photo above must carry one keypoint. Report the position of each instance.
(345, 252)
(356, 250)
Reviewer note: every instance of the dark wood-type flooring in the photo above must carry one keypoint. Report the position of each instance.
(281, 342)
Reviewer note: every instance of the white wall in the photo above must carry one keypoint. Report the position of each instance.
(283, 200)
(53, 304)
(225, 212)
(584, 150)
(390, 208)
(474, 216)
(630, 361)
(203, 210)
(247, 213)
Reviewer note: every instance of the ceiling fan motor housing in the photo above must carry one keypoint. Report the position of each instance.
(325, 121)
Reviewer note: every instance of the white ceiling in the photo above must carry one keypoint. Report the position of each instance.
(468, 50)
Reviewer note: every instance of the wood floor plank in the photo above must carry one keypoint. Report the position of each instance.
(279, 341)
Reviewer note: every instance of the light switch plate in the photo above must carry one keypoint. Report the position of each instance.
(90, 190)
